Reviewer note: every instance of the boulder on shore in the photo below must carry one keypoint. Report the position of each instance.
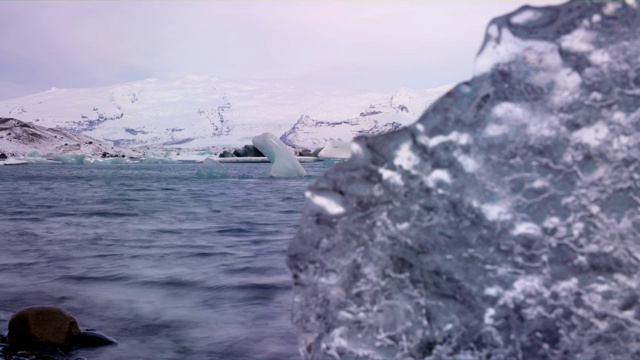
(44, 327)
(38, 327)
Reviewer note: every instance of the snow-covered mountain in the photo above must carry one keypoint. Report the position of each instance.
(312, 134)
(18, 138)
(196, 112)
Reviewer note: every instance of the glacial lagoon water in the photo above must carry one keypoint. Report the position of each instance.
(171, 265)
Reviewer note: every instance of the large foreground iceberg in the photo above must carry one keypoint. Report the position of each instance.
(505, 224)
(284, 163)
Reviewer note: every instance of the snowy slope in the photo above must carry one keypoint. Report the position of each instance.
(18, 138)
(203, 111)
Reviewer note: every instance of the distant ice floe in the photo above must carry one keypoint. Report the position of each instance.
(334, 149)
(153, 157)
(211, 169)
(70, 159)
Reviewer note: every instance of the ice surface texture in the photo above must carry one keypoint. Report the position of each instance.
(505, 223)
(284, 163)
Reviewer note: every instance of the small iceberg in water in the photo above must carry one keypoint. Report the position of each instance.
(335, 150)
(35, 158)
(70, 159)
(284, 162)
(211, 169)
(152, 157)
(327, 163)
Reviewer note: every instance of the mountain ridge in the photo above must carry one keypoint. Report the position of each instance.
(198, 112)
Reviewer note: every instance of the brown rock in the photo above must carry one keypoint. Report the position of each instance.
(41, 326)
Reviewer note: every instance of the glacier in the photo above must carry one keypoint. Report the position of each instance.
(284, 162)
(504, 224)
(195, 112)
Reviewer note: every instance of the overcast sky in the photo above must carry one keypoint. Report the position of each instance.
(367, 45)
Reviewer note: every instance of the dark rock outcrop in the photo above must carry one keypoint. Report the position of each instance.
(504, 224)
(18, 138)
(307, 152)
(247, 151)
(226, 154)
(106, 155)
(311, 133)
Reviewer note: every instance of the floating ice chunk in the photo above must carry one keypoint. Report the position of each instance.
(34, 158)
(335, 150)
(70, 159)
(327, 163)
(33, 154)
(284, 163)
(12, 161)
(111, 161)
(211, 169)
(152, 157)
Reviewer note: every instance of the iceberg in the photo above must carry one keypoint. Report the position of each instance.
(70, 159)
(108, 161)
(33, 154)
(35, 158)
(335, 150)
(211, 169)
(504, 224)
(152, 157)
(284, 163)
(327, 163)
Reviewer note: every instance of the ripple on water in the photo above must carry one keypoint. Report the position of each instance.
(171, 266)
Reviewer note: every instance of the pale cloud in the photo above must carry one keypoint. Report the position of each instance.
(376, 45)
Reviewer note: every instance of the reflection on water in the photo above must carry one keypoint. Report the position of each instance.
(171, 265)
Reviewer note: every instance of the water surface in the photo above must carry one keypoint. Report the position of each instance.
(172, 266)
